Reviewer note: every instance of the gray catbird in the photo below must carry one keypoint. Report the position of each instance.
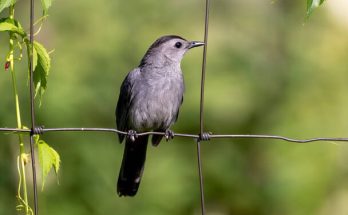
(149, 100)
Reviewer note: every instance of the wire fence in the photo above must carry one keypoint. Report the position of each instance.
(201, 136)
(204, 137)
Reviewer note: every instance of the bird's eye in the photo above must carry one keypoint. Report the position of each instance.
(178, 45)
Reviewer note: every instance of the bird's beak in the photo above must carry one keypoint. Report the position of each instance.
(195, 44)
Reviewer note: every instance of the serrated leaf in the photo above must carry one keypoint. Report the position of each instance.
(48, 158)
(5, 4)
(313, 4)
(42, 64)
(34, 59)
(46, 4)
(43, 57)
(6, 25)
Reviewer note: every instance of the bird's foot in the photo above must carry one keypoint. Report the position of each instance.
(169, 134)
(132, 135)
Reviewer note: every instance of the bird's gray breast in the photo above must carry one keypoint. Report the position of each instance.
(157, 100)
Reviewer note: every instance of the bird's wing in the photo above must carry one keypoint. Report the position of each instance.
(177, 112)
(181, 100)
(125, 101)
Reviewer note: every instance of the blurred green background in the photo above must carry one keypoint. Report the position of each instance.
(268, 72)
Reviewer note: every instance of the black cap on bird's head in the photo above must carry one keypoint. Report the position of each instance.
(168, 48)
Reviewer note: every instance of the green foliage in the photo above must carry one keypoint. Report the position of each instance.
(6, 3)
(46, 4)
(42, 65)
(41, 58)
(313, 4)
(13, 26)
(48, 159)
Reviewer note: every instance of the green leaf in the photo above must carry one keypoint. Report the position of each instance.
(313, 4)
(46, 4)
(6, 3)
(42, 64)
(43, 56)
(48, 158)
(7, 25)
(34, 59)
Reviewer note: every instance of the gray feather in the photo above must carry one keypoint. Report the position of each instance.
(149, 100)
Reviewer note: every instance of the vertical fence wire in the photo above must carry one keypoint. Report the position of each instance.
(201, 115)
(204, 63)
(200, 173)
(32, 107)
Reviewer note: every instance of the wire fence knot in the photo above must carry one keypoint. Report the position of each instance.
(205, 136)
(37, 130)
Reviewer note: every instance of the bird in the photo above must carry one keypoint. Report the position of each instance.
(149, 100)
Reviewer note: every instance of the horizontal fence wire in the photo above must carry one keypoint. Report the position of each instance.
(194, 136)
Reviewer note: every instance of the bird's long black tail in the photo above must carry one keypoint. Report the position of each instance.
(132, 166)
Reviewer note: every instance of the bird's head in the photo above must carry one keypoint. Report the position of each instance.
(168, 49)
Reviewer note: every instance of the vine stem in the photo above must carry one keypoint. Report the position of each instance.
(22, 156)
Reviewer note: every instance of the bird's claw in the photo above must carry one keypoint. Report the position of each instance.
(169, 134)
(132, 135)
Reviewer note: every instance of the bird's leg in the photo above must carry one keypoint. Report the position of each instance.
(132, 135)
(169, 134)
